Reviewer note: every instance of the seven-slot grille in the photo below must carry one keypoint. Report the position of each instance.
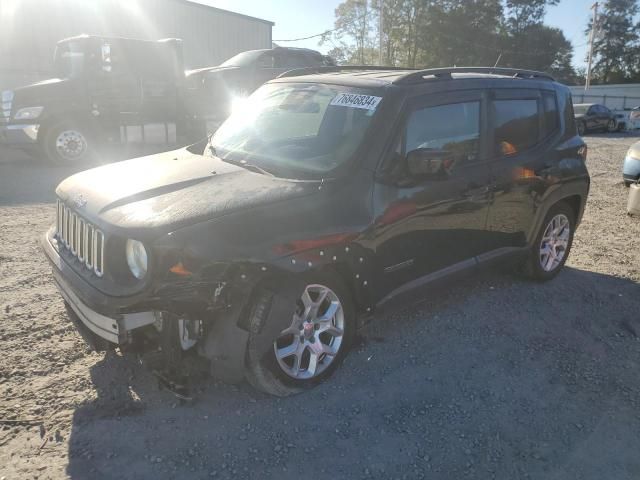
(83, 240)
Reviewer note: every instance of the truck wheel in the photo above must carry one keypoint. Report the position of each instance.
(552, 244)
(67, 143)
(298, 335)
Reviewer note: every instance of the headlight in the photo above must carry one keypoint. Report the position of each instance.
(28, 113)
(136, 258)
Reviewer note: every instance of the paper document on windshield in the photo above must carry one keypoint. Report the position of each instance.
(368, 102)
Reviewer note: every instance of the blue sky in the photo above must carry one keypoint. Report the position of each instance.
(302, 18)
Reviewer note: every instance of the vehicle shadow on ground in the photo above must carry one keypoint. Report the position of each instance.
(488, 376)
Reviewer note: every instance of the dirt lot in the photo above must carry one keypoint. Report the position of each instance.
(492, 377)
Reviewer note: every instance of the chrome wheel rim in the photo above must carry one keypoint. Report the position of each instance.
(71, 144)
(555, 242)
(311, 343)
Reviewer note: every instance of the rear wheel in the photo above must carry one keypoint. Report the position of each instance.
(67, 143)
(552, 245)
(299, 335)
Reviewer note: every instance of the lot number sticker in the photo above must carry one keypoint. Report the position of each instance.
(368, 102)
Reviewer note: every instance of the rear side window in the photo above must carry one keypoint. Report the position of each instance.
(569, 115)
(551, 119)
(516, 125)
(454, 128)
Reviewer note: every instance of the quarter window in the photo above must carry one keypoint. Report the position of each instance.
(516, 125)
(551, 120)
(453, 128)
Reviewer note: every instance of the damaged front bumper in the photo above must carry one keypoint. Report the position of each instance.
(117, 320)
(114, 330)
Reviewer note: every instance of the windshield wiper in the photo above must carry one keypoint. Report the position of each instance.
(255, 168)
(243, 164)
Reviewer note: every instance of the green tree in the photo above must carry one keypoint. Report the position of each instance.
(615, 48)
(354, 21)
(438, 33)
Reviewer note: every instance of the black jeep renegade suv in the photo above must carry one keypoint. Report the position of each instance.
(328, 193)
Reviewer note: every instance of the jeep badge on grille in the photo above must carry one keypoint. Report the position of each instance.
(79, 200)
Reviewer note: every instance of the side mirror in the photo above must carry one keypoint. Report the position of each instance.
(427, 162)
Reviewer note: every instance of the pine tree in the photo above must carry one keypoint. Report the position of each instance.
(615, 48)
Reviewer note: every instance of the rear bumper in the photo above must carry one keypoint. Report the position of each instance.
(19, 134)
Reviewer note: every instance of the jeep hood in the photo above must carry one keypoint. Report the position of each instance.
(153, 195)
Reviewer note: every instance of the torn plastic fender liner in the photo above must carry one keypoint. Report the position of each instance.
(225, 339)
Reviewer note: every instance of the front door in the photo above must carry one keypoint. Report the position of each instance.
(428, 223)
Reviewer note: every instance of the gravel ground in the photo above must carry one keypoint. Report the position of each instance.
(491, 377)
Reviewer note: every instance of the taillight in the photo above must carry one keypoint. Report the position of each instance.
(582, 153)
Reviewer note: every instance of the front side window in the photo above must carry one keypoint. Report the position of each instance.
(69, 59)
(453, 128)
(291, 60)
(516, 125)
(244, 59)
(296, 130)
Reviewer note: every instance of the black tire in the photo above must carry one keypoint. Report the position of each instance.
(532, 267)
(582, 128)
(86, 149)
(272, 312)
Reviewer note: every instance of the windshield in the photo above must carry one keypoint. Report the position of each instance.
(580, 109)
(296, 130)
(243, 59)
(69, 59)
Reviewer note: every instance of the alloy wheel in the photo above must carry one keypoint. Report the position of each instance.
(555, 242)
(311, 343)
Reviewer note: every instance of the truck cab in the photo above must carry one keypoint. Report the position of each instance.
(105, 91)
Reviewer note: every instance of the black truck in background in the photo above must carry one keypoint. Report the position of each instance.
(110, 92)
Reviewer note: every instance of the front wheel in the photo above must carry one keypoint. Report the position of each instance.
(298, 335)
(611, 126)
(67, 143)
(552, 244)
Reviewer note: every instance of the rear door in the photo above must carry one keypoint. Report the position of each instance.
(428, 224)
(523, 124)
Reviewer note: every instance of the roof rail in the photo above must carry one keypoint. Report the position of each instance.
(418, 76)
(296, 72)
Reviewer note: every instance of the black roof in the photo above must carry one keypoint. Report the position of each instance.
(371, 75)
